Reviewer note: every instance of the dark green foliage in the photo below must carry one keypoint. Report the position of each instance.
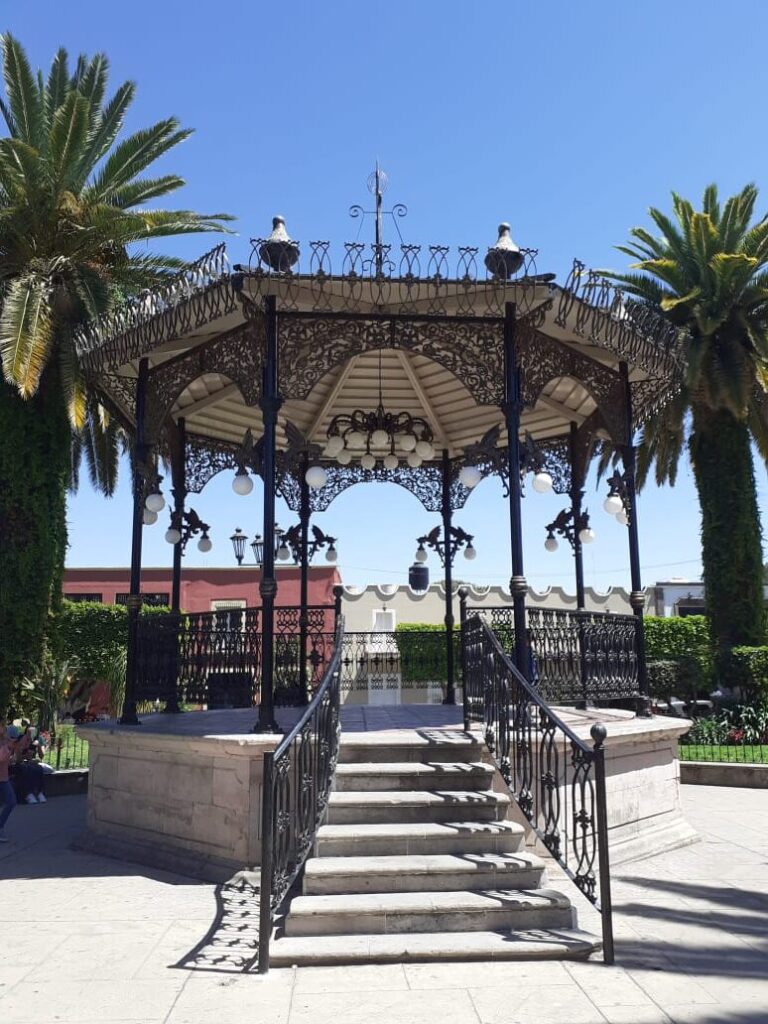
(34, 470)
(423, 652)
(679, 677)
(748, 668)
(675, 637)
(721, 455)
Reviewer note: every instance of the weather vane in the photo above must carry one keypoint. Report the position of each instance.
(377, 186)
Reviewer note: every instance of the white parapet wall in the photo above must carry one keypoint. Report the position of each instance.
(384, 606)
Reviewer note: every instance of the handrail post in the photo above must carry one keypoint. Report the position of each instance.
(599, 733)
(267, 854)
(463, 594)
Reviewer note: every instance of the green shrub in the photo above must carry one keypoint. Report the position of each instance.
(423, 655)
(679, 676)
(681, 637)
(748, 668)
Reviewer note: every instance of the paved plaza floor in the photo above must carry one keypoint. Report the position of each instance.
(87, 939)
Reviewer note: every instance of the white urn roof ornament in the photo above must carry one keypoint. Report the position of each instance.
(504, 259)
(279, 252)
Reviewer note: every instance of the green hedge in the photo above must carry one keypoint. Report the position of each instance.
(423, 655)
(680, 637)
(679, 677)
(92, 634)
(748, 668)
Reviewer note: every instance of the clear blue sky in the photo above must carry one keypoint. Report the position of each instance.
(568, 120)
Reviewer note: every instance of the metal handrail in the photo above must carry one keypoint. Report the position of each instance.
(298, 776)
(545, 765)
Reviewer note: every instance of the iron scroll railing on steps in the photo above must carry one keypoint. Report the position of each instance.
(298, 776)
(556, 778)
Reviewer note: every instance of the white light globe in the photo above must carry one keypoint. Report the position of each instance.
(334, 446)
(379, 439)
(550, 544)
(331, 554)
(542, 482)
(204, 544)
(413, 460)
(407, 442)
(173, 536)
(283, 553)
(425, 450)
(470, 552)
(587, 535)
(155, 502)
(420, 556)
(242, 484)
(470, 476)
(316, 477)
(622, 517)
(368, 461)
(613, 504)
(150, 518)
(344, 457)
(391, 461)
(355, 439)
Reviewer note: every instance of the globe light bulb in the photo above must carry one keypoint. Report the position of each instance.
(379, 439)
(355, 439)
(470, 476)
(470, 552)
(587, 535)
(173, 536)
(344, 457)
(242, 484)
(413, 460)
(283, 552)
(622, 517)
(316, 477)
(425, 450)
(613, 504)
(408, 442)
(150, 518)
(550, 544)
(391, 461)
(368, 461)
(421, 554)
(204, 544)
(334, 446)
(155, 502)
(331, 554)
(542, 482)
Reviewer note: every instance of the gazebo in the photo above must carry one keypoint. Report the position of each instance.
(414, 365)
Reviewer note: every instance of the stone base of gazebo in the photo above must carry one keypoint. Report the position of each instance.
(183, 793)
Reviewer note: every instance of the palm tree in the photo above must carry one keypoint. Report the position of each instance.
(72, 208)
(706, 271)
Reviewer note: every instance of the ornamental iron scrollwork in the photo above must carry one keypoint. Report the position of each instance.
(556, 778)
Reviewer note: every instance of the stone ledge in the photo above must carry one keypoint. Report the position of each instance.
(724, 773)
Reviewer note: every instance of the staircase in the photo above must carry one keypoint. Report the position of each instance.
(418, 861)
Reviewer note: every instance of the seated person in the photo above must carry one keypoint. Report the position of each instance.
(29, 756)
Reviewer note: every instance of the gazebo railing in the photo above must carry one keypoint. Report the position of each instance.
(215, 658)
(298, 777)
(556, 778)
(577, 657)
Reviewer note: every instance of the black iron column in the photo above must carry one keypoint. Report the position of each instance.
(512, 413)
(129, 716)
(178, 476)
(270, 405)
(450, 693)
(577, 495)
(636, 597)
(304, 516)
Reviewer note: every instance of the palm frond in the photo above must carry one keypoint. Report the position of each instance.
(24, 99)
(26, 332)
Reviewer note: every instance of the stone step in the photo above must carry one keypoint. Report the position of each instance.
(387, 913)
(418, 873)
(395, 806)
(404, 775)
(428, 745)
(541, 944)
(420, 838)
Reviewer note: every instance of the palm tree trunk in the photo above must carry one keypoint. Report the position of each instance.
(721, 455)
(35, 445)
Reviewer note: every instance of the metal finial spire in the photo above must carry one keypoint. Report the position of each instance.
(378, 183)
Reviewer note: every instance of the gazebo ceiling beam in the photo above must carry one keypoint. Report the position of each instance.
(209, 400)
(333, 394)
(441, 435)
(571, 415)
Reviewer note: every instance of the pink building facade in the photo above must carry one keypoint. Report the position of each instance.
(202, 589)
